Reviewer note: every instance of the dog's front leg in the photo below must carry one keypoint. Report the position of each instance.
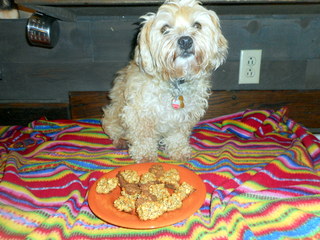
(177, 144)
(143, 140)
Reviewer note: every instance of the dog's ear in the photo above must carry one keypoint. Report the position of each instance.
(221, 42)
(143, 55)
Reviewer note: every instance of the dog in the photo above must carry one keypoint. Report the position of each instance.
(162, 93)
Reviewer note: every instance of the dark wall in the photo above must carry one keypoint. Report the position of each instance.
(91, 49)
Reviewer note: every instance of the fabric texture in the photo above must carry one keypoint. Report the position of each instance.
(261, 172)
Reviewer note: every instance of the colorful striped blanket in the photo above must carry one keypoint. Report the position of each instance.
(261, 172)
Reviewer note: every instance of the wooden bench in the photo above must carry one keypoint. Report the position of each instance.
(304, 106)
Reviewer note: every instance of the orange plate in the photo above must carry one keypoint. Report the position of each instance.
(102, 204)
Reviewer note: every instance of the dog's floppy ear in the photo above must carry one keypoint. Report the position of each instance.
(143, 55)
(221, 42)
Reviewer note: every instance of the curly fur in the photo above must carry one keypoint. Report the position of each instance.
(141, 112)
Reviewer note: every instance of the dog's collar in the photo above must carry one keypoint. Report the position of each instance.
(178, 81)
(176, 85)
(177, 101)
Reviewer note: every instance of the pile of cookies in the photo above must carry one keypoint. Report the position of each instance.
(149, 195)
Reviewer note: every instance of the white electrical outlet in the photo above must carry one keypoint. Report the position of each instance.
(249, 71)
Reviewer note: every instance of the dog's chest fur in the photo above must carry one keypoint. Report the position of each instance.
(157, 102)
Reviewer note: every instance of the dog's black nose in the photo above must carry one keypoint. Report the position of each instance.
(185, 42)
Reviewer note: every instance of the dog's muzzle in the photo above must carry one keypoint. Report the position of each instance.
(185, 42)
(186, 45)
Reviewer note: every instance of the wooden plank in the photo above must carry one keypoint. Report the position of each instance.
(32, 105)
(303, 105)
(87, 104)
(24, 113)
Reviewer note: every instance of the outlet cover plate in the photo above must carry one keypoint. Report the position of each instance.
(249, 70)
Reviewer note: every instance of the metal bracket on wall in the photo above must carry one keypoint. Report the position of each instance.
(42, 30)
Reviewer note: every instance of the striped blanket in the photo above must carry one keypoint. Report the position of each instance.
(261, 172)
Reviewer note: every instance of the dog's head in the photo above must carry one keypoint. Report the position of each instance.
(182, 38)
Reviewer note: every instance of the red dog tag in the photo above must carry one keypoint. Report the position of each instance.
(177, 102)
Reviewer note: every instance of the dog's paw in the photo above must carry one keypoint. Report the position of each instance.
(143, 154)
(181, 154)
(181, 157)
(120, 143)
(146, 160)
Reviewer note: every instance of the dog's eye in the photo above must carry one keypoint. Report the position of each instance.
(165, 29)
(197, 25)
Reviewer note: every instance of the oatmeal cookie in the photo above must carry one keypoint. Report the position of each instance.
(145, 197)
(159, 190)
(106, 185)
(131, 188)
(184, 190)
(128, 176)
(148, 177)
(124, 204)
(172, 202)
(150, 210)
(157, 170)
(170, 178)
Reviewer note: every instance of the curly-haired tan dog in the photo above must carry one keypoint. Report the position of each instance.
(162, 93)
